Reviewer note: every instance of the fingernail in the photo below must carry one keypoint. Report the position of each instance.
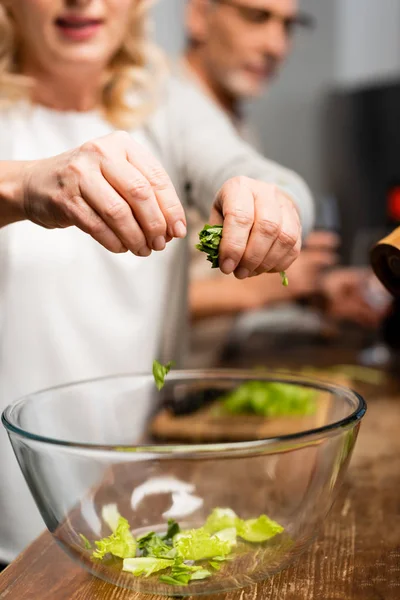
(145, 251)
(159, 243)
(180, 229)
(242, 273)
(228, 266)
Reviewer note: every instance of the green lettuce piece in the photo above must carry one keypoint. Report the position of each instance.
(269, 399)
(111, 516)
(155, 546)
(227, 535)
(220, 518)
(159, 372)
(210, 237)
(182, 573)
(120, 543)
(284, 277)
(85, 541)
(198, 544)
(258, 530)
(146, 565)
(200, 574)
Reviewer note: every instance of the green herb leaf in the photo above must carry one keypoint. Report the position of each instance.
(285, 280)
(172, 531)
(120, 543)
(146, 565)
(160, 371)
(155, 546)
(210, 237)
(215, 565)
(258, 530)
(198, 544)
(85, 541)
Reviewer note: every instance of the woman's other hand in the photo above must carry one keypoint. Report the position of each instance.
(113, 189)
(262, 230)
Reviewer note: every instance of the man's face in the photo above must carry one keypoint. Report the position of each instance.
(243, 42)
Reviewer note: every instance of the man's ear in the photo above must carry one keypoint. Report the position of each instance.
(196, 20)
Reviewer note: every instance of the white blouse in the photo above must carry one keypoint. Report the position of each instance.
(69, 309)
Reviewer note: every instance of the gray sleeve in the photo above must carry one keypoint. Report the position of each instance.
(210, 152)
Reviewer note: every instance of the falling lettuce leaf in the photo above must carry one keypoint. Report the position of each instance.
(210, 238)
(198, 544)
(160, 371)
(284, 277)
(146, 565)
(120, 543)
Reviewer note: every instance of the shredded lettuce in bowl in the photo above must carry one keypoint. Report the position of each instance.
(179, 557)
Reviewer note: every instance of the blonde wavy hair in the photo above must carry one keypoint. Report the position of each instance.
(131, 83)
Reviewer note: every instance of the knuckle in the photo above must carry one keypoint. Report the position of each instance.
(139, 189)
(268, 228)
(241, 218)
(287, 238)
(155, 227)
(158, 178)
(118, 211)
(92, 147)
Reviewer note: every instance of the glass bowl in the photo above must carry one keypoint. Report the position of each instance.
(95, 449)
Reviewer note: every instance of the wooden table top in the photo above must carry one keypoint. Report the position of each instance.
(356, 556)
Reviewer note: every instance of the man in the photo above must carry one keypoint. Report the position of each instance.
(235, 49)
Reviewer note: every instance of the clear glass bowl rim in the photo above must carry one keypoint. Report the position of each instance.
(198, 450)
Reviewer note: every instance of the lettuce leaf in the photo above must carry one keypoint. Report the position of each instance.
(120, 543)
(220, 518)
(198, 544)
(153, 545)
(269, 399)
(258, 530)
(159, 372)
(111, 516)
(146, 565)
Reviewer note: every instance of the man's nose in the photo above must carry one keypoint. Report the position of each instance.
(276, 39)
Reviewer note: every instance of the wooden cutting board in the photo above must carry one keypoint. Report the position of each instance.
(208, 425)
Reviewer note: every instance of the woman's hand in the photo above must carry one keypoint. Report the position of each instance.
(113, 189)
(262, 230)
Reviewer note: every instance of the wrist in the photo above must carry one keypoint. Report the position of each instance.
(12, 191)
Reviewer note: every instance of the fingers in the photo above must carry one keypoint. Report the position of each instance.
(135, 196)
(286, 247)
(162, 187)
(267, 226)
(115, 213)
(236, 202)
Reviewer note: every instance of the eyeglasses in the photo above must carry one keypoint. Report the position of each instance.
(261, 16)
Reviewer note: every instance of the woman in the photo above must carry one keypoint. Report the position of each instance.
(72, 188)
